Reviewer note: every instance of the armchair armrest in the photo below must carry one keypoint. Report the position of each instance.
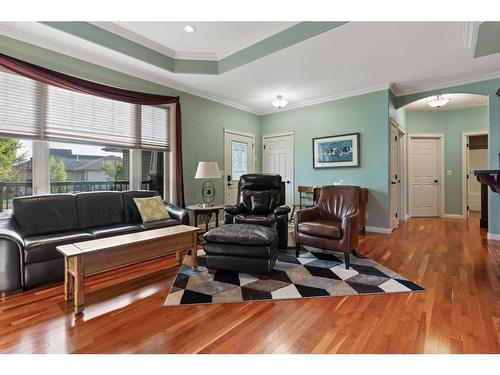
(350, 230)
(307, 214)
(281, 210)
(177, 213)
(234, 209)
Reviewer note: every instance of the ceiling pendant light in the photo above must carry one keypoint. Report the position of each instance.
(438, 102)
(279, 102)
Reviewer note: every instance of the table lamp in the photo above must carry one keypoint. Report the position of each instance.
(207, 170)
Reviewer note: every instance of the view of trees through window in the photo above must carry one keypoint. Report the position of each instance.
(15, 170)
(76, 167)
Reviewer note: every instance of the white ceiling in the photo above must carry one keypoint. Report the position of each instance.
(355, 58)
(457, 101)
(211, 40)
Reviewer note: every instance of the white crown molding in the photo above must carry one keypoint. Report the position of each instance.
(469, 34)
(255, 39)
(136, 38)
(187, 55)
(444, 85)
(206, 56)
(330, 98)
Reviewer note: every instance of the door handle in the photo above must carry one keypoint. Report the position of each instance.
(436, 181)
(288, 182)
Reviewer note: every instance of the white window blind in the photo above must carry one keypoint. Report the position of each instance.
(20, 105)
(72, 116)
(154, 127)
(29, 108)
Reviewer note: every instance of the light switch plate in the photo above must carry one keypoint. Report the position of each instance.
(448, 172)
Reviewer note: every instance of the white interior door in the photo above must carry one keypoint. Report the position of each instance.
(424, 160)
(394, 192)
(477, 159)
(238, 160)
(277, 157)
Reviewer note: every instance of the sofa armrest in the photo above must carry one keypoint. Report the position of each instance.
(177, 213)
(11, 255)
(282, 210)
(10, 230)
(307, 214)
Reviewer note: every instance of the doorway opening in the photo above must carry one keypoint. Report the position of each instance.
(438, 129)
(475, 157)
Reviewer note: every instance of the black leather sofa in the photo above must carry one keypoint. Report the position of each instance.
(37, 224)
(261, 201)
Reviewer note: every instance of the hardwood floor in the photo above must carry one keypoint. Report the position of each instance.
(459, 312)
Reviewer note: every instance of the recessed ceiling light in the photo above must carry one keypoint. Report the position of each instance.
(189, 29)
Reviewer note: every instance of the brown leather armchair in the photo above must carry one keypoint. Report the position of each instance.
(332, 224)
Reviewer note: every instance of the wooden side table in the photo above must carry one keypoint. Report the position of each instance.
(207, 212)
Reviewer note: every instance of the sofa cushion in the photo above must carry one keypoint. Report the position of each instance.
(132, 214)
(239, 234)
(113, 230)
(42, 214)
(160, 224)
(321, 228)
(43, 248)
(98, 209)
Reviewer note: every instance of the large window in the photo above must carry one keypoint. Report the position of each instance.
(15, 170)
(83, 142)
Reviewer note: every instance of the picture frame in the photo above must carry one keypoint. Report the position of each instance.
(336, 151)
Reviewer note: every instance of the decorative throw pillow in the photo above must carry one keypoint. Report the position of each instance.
(151, 209)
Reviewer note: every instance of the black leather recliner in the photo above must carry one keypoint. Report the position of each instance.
(261, 201)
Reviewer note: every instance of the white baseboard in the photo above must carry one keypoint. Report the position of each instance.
(493, 236)
(378, 230)
(453, 216)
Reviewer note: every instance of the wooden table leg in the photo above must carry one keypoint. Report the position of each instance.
(79, 287)
(216, 219)
(69, 284)
(194, 253)
(178, 258)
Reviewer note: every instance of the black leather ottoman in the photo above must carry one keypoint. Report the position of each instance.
(242, 248)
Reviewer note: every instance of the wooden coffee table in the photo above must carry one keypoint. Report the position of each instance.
(90, 257)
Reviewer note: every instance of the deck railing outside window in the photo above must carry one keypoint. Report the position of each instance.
(10, 190)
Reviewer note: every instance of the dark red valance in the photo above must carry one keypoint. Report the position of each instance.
(64, 81)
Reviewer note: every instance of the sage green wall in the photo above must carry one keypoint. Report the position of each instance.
(488, 88)
(202, 120)
(452, 124)
(367, 114)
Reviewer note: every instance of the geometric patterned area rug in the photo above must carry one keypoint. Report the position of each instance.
(313, 274)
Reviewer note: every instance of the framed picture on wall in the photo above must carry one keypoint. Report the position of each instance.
(336, 151)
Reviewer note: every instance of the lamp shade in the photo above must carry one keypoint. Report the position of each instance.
(207, 169)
